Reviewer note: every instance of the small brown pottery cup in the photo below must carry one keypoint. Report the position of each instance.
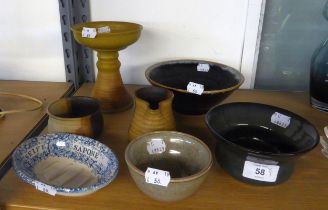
(78, 114)
(186, 158)
(153, 111)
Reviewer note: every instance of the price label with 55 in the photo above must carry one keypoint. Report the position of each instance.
(157, 177)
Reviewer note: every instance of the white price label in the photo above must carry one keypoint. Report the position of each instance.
(195, 88)
(260, 172)
(280, 119)
(60, 144)
(156, 146)
(203, 67)
(104, 29)
(89, 32)
(45, 188)
(157, 177)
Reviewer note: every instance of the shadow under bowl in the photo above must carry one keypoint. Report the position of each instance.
(219, 82)
(258, 144)
(79, 115)
(186, 158)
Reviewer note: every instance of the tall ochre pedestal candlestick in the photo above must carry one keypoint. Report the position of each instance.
(109, 88)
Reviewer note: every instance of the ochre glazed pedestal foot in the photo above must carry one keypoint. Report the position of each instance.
(109, 88)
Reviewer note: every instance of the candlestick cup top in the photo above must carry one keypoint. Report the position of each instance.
(119, 34)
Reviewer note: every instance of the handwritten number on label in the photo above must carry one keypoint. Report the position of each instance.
(89, 32)
(104, 29)
(45, 188)
(195, 88)
(156, 146)
(203, 67)
(280, 119)
(157, 177)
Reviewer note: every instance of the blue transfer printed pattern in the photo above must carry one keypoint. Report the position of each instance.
(87, 151)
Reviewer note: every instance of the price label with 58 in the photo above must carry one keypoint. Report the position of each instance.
(260, 172)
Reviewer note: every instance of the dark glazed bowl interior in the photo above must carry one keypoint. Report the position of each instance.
(74, 107)
(246, 131)
(153, 95)
(248, 126)
(218, 83)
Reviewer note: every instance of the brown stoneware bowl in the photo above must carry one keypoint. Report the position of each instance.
(78, 115)
(186, 158)
(219, 82)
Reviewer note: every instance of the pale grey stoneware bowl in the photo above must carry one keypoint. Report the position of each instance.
(186, 158)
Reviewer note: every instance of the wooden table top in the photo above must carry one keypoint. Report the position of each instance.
(306, 189)
(14, 127)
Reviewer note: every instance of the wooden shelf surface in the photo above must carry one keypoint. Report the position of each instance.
(14, 127)
(306, 189)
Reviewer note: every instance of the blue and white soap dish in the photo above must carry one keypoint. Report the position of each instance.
(65, 164)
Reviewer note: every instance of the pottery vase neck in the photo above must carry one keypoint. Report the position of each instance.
(153, 112)
(152, 105)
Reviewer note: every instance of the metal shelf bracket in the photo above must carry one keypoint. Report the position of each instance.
(78, 59)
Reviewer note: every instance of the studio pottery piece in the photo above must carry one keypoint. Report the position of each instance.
(77, 114)
(197, 84)
(109, 88)
(184, 162)
(259, 144)
(153, 111)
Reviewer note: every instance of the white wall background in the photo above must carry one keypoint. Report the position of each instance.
(30, 41)
(211, 29)
(31, 46)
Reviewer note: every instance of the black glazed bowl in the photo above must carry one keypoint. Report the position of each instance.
(255, 144)
(219, 82)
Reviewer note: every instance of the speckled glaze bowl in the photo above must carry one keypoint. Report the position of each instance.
(79, 115)
(186, 158)
(219, 82)
(66, 164)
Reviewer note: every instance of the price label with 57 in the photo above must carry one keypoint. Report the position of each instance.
(260, 172)
(157, 177)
